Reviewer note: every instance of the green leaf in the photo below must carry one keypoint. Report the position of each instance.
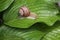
(54, 34)
(50, 1)
(8, 33)
(19, 23)
(47, 13)
(4, 4)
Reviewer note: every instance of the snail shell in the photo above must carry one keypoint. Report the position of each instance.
(24, 11)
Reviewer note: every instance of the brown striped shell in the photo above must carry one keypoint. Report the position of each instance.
(24, 11)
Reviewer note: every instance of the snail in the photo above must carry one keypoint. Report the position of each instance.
(25, 12)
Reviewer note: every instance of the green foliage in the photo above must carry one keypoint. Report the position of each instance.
(4, 4)
(9, 33)
(54, 34)
(47, 13)
(45, 27)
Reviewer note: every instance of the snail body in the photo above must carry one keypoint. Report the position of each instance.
(32, 16)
